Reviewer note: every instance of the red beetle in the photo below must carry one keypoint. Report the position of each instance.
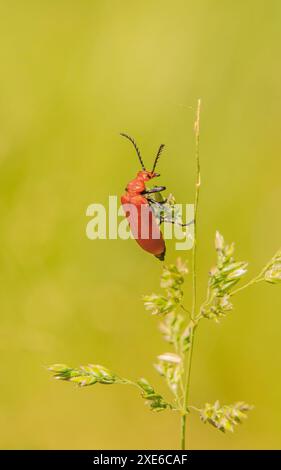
(138, 208)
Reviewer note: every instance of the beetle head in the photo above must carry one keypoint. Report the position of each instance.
(147, 175)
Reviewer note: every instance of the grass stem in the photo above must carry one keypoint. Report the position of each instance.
(194, 278)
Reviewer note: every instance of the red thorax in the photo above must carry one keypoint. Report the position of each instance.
(137, 186)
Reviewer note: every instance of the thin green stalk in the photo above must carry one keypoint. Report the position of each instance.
(183, 431)
(187, 388)
(194, 279)
(256, 279)
(250, 283)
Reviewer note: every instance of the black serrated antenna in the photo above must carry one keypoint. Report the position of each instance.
(157, 157)
(136, 148)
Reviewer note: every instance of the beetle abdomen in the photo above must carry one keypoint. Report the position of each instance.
(144, 226)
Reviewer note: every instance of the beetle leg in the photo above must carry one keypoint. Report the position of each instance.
(156, 189)
(157, 208)
(171, 221)
(158, 203)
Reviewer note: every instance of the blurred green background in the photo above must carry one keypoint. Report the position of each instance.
(73, 75)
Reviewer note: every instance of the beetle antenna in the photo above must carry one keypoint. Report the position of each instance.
(157, 157)
(136, 148)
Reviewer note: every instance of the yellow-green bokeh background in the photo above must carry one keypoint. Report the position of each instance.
(73, 75)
